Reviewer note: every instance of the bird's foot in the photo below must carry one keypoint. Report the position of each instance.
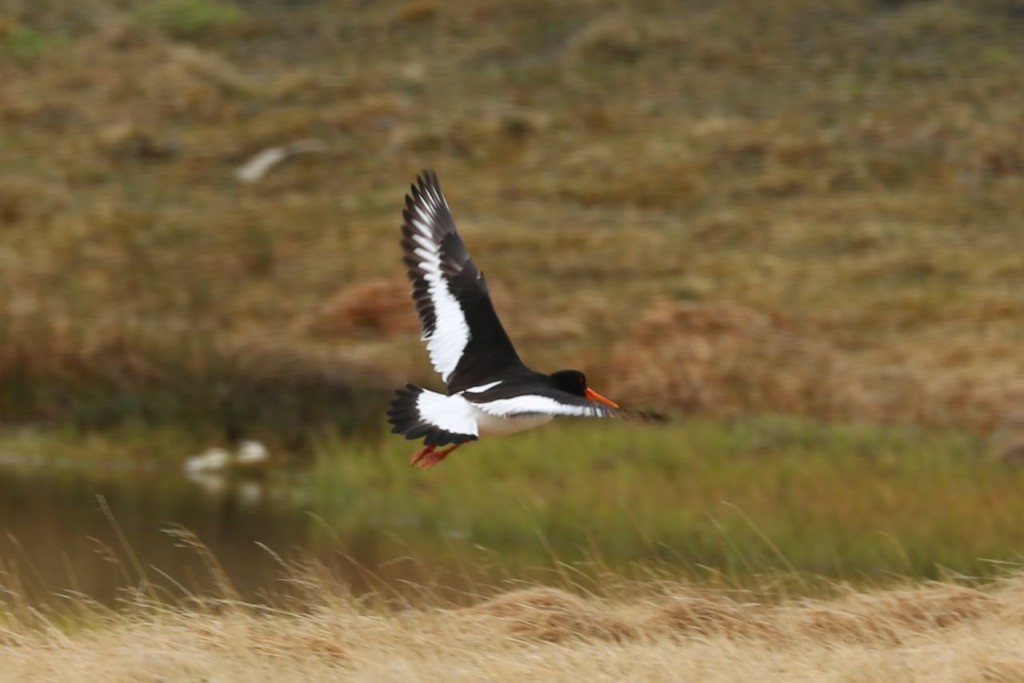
(428, 456)
(421, 455)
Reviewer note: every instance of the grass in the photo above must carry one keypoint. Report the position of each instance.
(189, 19)
(928, 632)
(719, 210)
(725, 503)
(735, 499)
(846, 178)
(24, 44)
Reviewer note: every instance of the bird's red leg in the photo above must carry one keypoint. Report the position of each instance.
(432, 457)
(421, 455)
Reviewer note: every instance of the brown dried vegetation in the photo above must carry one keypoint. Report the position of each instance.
(761, 209)
(936, 632)
(727, 360)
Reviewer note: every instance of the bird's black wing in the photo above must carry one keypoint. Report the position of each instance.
(464, 337)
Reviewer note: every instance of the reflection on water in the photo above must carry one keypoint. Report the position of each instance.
(67, 531)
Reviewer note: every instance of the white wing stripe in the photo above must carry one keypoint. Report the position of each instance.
(450, 413)
(428, 259)
(482, 388)
(533, 404)
(451, 331)
(424, 243)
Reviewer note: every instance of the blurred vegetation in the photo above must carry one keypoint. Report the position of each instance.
(187, 19)
(723, 208)
(777, 501)
(709, 499)
(23, 44)
(798, 224)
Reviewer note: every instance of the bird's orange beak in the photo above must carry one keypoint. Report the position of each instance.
(594, 396)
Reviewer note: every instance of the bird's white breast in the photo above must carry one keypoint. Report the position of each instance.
(496, 425)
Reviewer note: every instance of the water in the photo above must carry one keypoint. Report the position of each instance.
(97, 534)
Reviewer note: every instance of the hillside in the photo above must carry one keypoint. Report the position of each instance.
(726, 208)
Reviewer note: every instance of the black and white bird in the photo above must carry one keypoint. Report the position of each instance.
(490, 391)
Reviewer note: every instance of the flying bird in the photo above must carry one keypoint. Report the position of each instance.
(490, 391)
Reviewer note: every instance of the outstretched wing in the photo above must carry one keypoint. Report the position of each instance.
(543, 405)
(464, 337)
(506, 400)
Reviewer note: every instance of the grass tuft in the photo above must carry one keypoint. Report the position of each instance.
(189, 19)
(25, 45)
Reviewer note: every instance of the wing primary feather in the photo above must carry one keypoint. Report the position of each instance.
(464, 338)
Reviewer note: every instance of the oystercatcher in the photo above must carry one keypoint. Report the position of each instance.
(490, 391)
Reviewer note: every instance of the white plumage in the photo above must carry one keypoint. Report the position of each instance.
(457, 415)
(450, 413)
(448, 339)
(531, 404)
(481, 388)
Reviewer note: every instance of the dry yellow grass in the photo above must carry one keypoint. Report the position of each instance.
(934, 632)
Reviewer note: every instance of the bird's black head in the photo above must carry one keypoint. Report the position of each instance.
(575, 382)
(570, 381)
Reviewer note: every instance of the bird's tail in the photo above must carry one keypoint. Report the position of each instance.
(407, 419)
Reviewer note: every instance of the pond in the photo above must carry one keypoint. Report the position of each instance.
(97, 533)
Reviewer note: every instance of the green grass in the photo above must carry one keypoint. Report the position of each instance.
(743, 499)
(24, 45)
(189, 19)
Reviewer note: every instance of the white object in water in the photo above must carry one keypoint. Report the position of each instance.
(252, 454)
(211, 460)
